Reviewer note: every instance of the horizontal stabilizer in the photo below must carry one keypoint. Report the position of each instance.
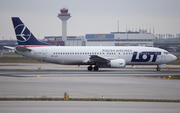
(9, 47)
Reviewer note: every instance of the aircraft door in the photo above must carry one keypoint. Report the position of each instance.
(162, 57)
(44, 54)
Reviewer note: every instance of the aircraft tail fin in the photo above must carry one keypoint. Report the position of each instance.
(23, 34)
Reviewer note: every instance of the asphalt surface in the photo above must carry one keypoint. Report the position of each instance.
(127, 83)
(135, 83)
(87, 107)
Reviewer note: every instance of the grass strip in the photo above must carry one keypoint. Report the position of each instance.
(173, 77)
(87, 99)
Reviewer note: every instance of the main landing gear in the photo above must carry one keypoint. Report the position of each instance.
(158, 68)
(90, 68)
(96, 68)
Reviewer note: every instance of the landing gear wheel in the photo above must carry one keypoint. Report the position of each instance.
(96, 68)
(89, 68)
(158, 68)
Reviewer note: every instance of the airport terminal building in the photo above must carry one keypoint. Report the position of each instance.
(71, 40)
(141, 38)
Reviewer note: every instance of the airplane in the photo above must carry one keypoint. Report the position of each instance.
(94, 56)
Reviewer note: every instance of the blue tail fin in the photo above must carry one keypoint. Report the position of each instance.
(23, 35)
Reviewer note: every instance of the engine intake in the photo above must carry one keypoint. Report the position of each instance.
(117, 63)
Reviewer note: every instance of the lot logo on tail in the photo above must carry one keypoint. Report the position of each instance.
(22, 33)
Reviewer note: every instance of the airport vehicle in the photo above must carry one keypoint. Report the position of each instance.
(99, 56)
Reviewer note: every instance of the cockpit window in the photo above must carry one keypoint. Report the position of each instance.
(166, 52)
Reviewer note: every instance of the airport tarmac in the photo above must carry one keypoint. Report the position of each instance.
(138, 83)
(87, 107)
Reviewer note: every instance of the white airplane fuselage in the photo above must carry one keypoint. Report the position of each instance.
(74, 55)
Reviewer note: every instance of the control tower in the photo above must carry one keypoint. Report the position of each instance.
(64, 16)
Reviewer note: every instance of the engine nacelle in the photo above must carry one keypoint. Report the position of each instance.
(117, 63)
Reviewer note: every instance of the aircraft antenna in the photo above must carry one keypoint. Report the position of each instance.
(118, 26)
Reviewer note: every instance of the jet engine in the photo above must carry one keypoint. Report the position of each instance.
(117, 63)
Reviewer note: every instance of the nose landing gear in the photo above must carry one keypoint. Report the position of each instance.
(158, 68)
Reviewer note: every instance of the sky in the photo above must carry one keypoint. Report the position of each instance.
(90, 16)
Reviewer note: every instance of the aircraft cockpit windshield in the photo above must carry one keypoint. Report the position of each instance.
(166, 52)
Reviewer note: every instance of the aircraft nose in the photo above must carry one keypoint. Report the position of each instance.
(173, 57)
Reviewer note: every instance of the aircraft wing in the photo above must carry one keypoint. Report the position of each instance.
(96, 58)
